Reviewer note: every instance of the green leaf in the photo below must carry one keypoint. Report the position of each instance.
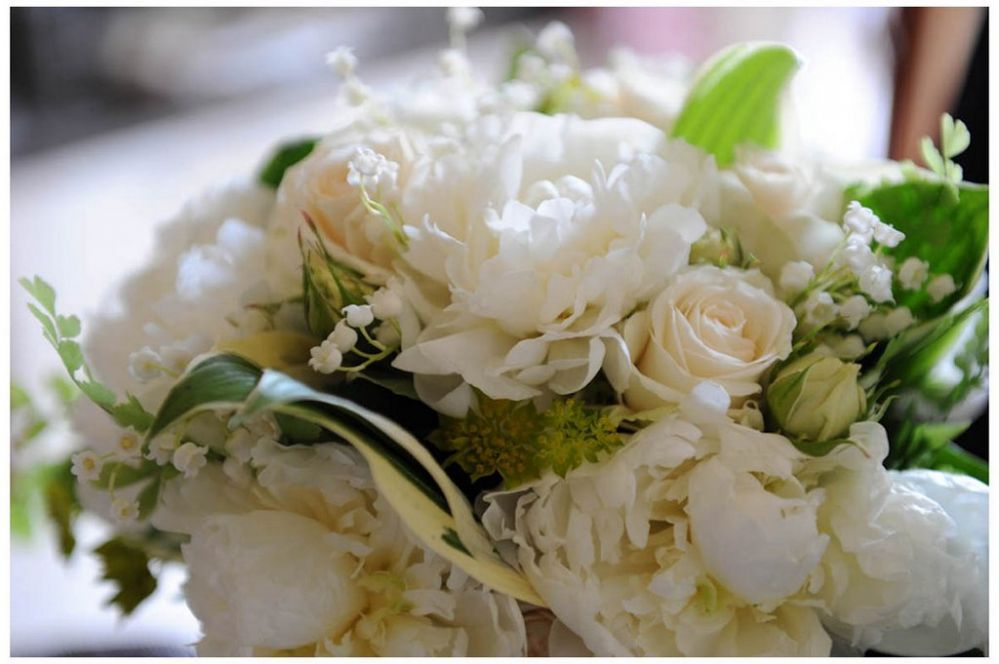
(221, 381)
(130, 413)
(122, 475)
(99, 393)
(69, 326)
(19, 397)
(954, 136)
(71, 354)
(127, 567)
(149, 497)
(296, 431)
(65, 390)
(910, 356)
(931, 156)
(61, 504)
(48, 326)
(735, 99)
(284, 158)
(953, 458)
(41, 291)
(406, 474)
(951, 235)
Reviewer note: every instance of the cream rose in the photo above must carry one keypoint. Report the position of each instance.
(722, 325)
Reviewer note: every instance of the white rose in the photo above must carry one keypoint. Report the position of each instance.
(779, 187)
(722, 325)
(310, 559)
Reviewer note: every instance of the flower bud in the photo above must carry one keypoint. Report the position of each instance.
(716, 247)
(816, 398)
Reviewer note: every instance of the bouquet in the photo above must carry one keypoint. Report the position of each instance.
(579, 362)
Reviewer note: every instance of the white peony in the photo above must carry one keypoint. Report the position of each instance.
(692, 540)
(536, 243)
(722, 325)
(311, 560)
(906, 572)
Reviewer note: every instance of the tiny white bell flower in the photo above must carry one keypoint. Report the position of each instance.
(240, 444)
(912, 273)
(326, 357)
(854, 309)
(129, 446)
(860, 220)
(820, 308)
(876, 282)
(385, 304)
(555, 42)
(343, 336)
(124, 510)
(161, 449)
(239, 473)
(940, 287)
(145, 365)
(189, 458)
(898, 320)
(464, 19)
(87, 465)
(342, 61)
(887, 234)
(387, 335)
(795, 275)
(358, 315)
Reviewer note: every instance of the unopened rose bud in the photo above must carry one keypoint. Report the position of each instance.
(816, 398)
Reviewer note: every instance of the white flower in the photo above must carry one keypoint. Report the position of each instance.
(310, 559)
(849, 347)
(722, 325)
(940, 287)
(795, 276)
(87, 465)
(912, 273)
(778, 185)
(161, 449)
(905, 572)
(898, 319)
(883, 325)
(679, 544)
(372, 171)
(343, 336)
(326, 357)
(145, 365)
(124, 510)
(875, 281)
(860, 220)
(556, 42)
(342, 61)
(387, 335)
(857, 255)
(464, 19)
(887, 235)
(189, 459)
(129, 446)
(820, 309)
(358, 315)
(534, 275)
(240, 444)
(854, 309)
(385, 304)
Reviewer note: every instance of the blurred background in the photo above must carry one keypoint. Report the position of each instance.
(118, 115)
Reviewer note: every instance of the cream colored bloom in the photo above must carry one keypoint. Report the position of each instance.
(816, 398)
(539, 237)
(722, 325)
(310, 560)
(692, 540)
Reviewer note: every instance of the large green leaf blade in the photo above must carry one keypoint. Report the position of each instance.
(736, 99)
(223, 380)
(950, 234)
(436, 511)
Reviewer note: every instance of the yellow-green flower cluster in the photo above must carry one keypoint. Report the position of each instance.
(518, 442)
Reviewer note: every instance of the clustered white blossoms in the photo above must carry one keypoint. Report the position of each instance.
(490, 253)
